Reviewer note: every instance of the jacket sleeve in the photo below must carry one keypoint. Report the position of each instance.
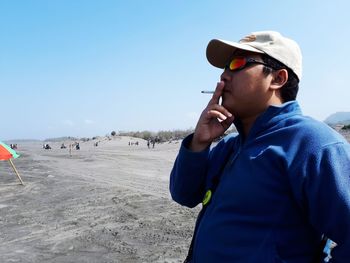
(188, 176)
(325, 191)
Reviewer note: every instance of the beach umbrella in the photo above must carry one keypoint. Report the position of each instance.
(7, 153)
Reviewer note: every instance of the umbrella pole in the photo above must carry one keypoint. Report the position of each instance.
(14, 168)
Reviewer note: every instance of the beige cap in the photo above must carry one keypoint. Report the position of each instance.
(271, 43)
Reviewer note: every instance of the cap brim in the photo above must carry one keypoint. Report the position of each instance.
(219, 51)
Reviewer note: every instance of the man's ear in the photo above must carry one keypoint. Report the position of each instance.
(279, 78)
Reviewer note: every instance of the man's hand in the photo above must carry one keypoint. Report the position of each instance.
(213, 122)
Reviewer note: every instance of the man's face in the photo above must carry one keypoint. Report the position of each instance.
(246, 92)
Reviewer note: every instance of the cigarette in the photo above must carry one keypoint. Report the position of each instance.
(207, 91)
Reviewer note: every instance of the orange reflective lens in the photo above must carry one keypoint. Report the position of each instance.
(239, 63)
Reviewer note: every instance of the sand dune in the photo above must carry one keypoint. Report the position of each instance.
(102, 204)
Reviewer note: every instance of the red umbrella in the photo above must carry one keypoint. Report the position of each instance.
(7, 153)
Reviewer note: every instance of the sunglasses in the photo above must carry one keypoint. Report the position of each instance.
(239, 63)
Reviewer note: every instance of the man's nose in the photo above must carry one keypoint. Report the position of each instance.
(225, 75)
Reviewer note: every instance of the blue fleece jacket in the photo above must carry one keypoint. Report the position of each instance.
(281, 188)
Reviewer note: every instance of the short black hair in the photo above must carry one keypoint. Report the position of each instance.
(290, 89)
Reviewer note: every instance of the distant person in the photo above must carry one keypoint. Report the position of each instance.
(148, 144)
(47, 146)
(13, 146)
(272, 192)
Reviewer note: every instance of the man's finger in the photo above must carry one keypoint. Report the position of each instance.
(221, 109)
(217, 114)
(227, 123)
(217, 94)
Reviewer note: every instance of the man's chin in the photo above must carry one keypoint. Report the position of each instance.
(228, 107)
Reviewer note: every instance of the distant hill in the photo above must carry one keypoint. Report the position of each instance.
(20, 141)
(338, 118)
(60, 139)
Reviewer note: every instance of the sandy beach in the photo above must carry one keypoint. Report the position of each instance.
(109, 203)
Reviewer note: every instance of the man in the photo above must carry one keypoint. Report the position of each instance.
(271, 192)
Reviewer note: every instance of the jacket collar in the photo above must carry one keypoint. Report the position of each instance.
(273, 115)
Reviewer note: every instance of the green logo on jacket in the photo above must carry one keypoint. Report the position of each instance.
(207, 197)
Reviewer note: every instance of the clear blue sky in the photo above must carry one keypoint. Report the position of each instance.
(85, 68)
